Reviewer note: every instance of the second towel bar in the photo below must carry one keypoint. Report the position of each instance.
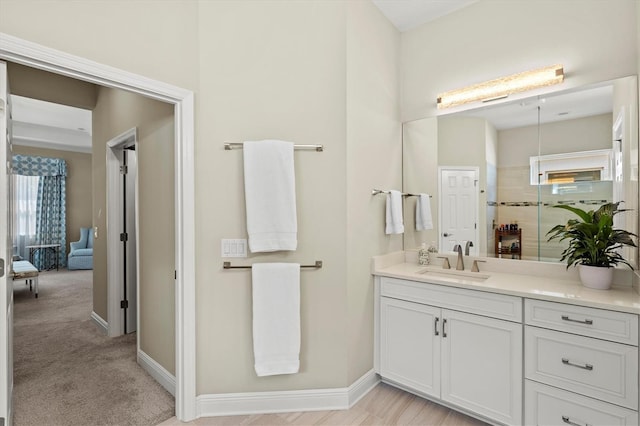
(227, 265)
(239, 145)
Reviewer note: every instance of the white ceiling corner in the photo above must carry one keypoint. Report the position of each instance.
(409, 14)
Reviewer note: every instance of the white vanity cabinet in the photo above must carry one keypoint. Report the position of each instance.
(410, 345)
(482, 365)
(463, 347)
(581, 365)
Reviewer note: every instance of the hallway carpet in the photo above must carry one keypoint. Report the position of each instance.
(66, 371)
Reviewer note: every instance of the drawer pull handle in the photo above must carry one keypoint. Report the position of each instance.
(589, 367)
(568, 421)
(587, 321)
(435, 327)
(444, 331)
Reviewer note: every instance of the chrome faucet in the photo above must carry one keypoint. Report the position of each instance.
(460, 264)
(466, 247)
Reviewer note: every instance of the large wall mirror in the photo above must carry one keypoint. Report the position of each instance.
(494, 168)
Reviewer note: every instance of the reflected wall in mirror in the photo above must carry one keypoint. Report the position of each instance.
(578, 147)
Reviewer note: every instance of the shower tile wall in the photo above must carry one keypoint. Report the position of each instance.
(514, 187)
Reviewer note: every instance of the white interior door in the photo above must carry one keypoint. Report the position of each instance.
(458, 213)
(130, 244)
(6, 247)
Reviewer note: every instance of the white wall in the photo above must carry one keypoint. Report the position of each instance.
(259, 82)
(595, 41)
(420, 141)
(268, 69)
(515, 146)
(374, 154)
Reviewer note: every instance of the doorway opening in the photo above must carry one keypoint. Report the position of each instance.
(40, 57)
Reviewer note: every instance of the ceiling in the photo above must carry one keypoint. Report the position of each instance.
(43, 124)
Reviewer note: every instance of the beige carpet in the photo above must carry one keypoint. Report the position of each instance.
(66, 372)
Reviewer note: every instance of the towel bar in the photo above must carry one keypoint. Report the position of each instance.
(227, 265)
(404, 194)
(238, 145)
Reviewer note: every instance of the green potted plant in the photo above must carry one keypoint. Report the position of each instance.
(593, 243)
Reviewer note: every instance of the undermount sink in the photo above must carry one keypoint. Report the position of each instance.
(454, 275)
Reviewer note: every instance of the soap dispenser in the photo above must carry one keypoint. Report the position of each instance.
(423, 255)
(432, 252)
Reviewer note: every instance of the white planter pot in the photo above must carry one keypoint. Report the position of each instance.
(596, 277)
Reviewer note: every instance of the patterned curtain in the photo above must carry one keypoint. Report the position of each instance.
(51, 206)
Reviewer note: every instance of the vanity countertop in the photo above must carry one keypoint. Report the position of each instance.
(566, 289)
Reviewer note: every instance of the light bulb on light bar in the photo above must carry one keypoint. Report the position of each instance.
(502, 87)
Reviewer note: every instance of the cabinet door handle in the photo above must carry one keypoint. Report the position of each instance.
(586, 321)
(444, 331)
(568, 421)
(435, 327)
(589, 367)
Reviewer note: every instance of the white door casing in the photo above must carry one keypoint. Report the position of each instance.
(37, 56)
(458, 208)
(115, 225)
(6, 247)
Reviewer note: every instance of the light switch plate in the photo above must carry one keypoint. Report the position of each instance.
(235, 247)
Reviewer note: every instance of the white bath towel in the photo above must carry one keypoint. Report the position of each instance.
(394, 219)
(276, 318)
(270, 195)
(423, 213)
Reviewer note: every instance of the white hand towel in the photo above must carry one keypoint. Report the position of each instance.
(276, 318)
(270, 195)
(395, 223)
(423, 213)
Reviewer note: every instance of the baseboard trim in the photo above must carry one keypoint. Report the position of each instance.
(231, 404)
(158, 372)
(101, 323)
(362, 386)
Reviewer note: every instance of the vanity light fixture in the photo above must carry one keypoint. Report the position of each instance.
(502, 87)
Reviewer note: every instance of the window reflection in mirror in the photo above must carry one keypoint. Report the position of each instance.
(580, 145)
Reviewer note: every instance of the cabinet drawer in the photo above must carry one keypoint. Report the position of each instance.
(604, 370)
(546, 405)
(602, 324)
(477, 302)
